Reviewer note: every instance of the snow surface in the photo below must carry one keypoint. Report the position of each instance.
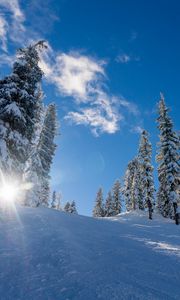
(46, 254)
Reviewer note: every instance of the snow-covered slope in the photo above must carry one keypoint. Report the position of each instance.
(46, 254)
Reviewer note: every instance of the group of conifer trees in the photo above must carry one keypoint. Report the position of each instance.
(138, 191)
(112, 205)
(27, 126)
(69, 207)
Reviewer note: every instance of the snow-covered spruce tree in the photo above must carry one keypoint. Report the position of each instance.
(168, 159)
(56, 201)
(146, 172)
(98, 210)
(73, 209)
(67, 207)
(128, 179)
(136, 189)
(116, 190)
(109, 207)
(46, 150)
(40, 161)
(33, 166)
(132, 185)
(19, 99)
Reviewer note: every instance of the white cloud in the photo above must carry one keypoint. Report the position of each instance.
(101, 115)
(76, 74)
(73, 74)
(12, 22)
(123, 58)
(131, 107)
(95, 118)
(6, 59)
(3, 32)
(13, 6)
(126, 58)
(11, 26)
(83, 78)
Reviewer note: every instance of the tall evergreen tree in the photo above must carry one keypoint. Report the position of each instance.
(116, 197)
(132, 186)
(46, 150)
(56, 198)
(67, 207)
(168, 159)
(109, 207)
(128, 179)
(146, 171)
(136, 189)
(73, 209)
(20, 97)
(98, 210)
(40, 161)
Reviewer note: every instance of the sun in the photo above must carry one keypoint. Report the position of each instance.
(8, 192)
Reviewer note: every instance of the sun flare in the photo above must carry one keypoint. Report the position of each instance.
(8, 192)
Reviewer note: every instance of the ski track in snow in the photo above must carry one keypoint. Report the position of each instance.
(51, 255)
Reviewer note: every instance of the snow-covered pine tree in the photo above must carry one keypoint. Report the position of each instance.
(116, 190)
(56, 198)
(146, 183)
(73, 209)
(19, 98)
(128, 179)
(168, 159)
(33, 165)
(98, 210)
(54, 202)
(109, 207)
(46, 150)
(67, 207)
(32, 174)
(132, 185)
(39, 163)
(136, 189)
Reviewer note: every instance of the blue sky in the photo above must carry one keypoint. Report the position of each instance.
(105, 67)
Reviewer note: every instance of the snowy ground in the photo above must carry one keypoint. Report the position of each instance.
(46, 254)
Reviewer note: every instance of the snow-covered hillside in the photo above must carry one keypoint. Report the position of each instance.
(47, 254)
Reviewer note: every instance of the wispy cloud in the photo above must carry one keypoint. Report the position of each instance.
(137, 129)
(13, 6)
(129, 105)
(73, 74)
(123, 58)
(101, 115)
(6, 59)
(84, 79)
(11, 22)
(3, 33)
(13, 25)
